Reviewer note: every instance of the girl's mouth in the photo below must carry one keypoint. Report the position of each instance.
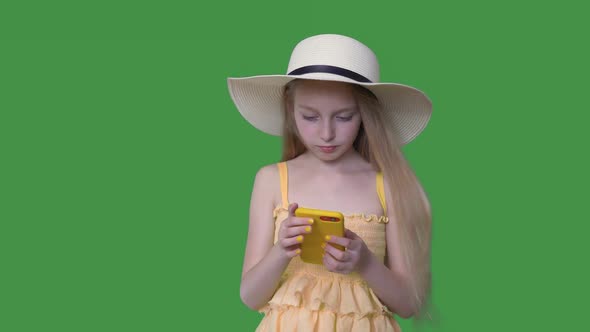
(328, 149)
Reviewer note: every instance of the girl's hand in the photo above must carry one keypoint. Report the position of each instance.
(291, 233)
(352, 259)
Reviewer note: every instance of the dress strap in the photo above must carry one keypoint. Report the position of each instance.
(381, 191)
(284, 183)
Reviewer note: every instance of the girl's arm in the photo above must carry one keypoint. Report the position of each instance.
(390, 281)
(261, 281)
(389, 285)
(264, 263)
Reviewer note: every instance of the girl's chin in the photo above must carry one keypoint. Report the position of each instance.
(327, 156)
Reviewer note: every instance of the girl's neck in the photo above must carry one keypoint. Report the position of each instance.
(348, 161)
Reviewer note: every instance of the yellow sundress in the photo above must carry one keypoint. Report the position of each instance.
(311, 298)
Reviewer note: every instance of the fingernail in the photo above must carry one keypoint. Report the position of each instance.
(310, 221)
(300, 238)
(327, 237)
(298, 251)
(308, 229)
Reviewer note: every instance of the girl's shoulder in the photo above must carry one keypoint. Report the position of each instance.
(267, 174)
(267, 180)
(268, 170)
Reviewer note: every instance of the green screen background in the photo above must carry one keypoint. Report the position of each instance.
(126, 170)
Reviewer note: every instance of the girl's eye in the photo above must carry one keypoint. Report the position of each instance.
(310, 118)
(344, 118)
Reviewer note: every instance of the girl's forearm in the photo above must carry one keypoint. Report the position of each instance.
(260, 282)
(389, 286)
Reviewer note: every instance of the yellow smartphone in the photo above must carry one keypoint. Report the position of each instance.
(324, 223)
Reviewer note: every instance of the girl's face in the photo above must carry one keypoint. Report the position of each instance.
(327, 118)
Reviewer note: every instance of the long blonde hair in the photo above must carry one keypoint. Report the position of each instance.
(378, 145)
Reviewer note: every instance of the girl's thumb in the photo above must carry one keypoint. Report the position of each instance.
(292, 209)
(350, 234)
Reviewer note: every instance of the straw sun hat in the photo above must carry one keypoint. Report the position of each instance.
(331, 57)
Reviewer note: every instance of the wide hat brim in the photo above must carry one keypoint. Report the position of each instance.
(259, 99)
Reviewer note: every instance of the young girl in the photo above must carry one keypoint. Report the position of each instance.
(342, 131)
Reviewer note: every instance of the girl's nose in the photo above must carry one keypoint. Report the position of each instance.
(327, 133)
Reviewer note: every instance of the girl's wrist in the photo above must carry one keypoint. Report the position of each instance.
(366, 260)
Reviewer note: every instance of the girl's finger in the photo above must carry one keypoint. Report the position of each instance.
(329, 262)
(339, 255)
(293, 252)
(299, 221)
(350, 234)
(291, 241)
(292, 208)
(293, 220)
(338, 240)
(333, 265)
(299, 230)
